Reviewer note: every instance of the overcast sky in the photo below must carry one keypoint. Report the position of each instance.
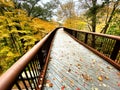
(76, 2)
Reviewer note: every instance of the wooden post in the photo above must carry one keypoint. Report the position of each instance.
(75, 34)
(115, 50)
(86, 38)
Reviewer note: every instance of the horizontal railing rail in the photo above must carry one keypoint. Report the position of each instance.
(25, 73)
(109, 45)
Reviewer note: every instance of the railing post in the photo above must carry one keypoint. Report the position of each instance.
(75, 34)
(86, 38)
(93, 41)
(115, 50)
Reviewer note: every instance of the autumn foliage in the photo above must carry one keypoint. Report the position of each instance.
(18, 33)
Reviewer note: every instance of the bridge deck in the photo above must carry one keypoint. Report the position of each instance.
(74, 67)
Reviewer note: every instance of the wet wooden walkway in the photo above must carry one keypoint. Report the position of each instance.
(74, 67)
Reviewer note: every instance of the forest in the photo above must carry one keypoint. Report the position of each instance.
(25, 22)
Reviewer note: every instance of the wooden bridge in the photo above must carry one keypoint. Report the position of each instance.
(67, 59)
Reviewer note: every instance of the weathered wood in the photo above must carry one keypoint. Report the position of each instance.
(74, 67)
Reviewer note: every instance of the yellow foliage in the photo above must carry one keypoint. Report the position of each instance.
(75, 22)
(6, 3)
(42, 27)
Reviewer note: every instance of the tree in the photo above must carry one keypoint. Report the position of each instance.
(35, 9)
(109, 19)
(65, 10)
(18, 33)
(114, 27)
(96, 11)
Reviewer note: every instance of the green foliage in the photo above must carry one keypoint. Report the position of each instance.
(43, 11)
(114, 28)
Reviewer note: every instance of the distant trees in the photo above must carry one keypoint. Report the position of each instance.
(35, 8)
(98, 14)
(105, 10)
(66, 14)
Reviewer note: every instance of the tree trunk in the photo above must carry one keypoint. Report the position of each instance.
(94, 13)
(104, 30)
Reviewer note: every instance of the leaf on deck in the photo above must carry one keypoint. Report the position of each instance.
(86, 77)
(63, 87)
(71, 82)
(78, 89)
(48, 83)
(100, 78)
(118, 84)
(69, 70)
(118, 73)
(109, 67)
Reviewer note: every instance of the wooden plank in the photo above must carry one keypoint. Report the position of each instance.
(75, 67)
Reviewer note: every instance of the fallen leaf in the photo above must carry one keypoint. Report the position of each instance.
(86, 77)
(106, 77)
(63, 87)
(78, 65)
(109, 67)
(69, 70)
(78, 89)
(54, 78)
(49, 84)
(72, 83)
(118, 73)
(118, 84)
(100, 78)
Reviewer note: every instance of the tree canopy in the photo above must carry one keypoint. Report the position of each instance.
(35, 8)
(18, 32)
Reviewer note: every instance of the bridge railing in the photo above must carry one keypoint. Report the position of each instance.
(108, 45)
(27, 71)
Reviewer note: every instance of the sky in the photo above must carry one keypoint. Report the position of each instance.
(63, 1)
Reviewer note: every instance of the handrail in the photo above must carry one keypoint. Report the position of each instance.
(107, 45)
(94, 33)
(10, 77)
